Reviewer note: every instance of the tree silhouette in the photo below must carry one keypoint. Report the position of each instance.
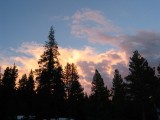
(23, 83)
(9, 78)
(30, 84)
(22, 95)
(140, 85)
(74, 91)
(99, 97)
(26, 95)
(58, 93)
(49, 77)
(8, 88)
(30, 93)
(118, 98)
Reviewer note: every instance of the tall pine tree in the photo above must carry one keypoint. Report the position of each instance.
(30, 86)
(23, 83)
(74, 91)
(118, 88)
(99, 97)
(8, 89)
(98, 89)
(9, 79)
(118, 97)
(140, 86)
(49, 77)
(30, 94)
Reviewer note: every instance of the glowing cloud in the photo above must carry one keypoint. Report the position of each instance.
(86, 59)
(93, 26)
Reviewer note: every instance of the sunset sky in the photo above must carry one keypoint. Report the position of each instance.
(93, 34)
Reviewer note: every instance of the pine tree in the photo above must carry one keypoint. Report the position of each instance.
(67, 78)
(74, 90)
(99, 97)
(140, 86)
(72, 84)
(23, 83)
(9, 79)
(30, 83)
(8, 89)
(118, 88)
(30, 94)
(98, 89)
(22, 95)
(49, 75)
(118, 95)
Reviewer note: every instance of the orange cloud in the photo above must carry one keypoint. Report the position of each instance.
(29, 53)
(87, 60)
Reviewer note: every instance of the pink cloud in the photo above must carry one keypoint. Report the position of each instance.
(92, 25)
(86, 59)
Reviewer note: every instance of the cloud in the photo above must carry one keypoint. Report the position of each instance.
(86, 59)
(25, 57)
(146, 42)
(93, 26)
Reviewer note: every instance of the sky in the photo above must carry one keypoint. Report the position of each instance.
(93, 34)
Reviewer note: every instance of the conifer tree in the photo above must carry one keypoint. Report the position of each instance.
(118, 88)
(30, 94)
(140, 85)
(22, 105)
(98, 89)
(118, 97)
(99, 97)
(49, 75)
(23, 83)
(74, 90)
(73, 87)
(8, 89)
(9, 79)
(30, 83)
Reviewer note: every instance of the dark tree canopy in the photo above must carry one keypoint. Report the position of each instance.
(73, 87)
(140, 78)
(74, 91)
(57, 93)
(118, 96)
(23, 83)
(98, 89)
(50, 78)
(50, 72)
(99, 98)
(9, 78)
(118, 88)
(8, 88)
(140, 84)
(30, 86)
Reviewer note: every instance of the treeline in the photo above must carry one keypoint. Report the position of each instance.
(53, 92)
